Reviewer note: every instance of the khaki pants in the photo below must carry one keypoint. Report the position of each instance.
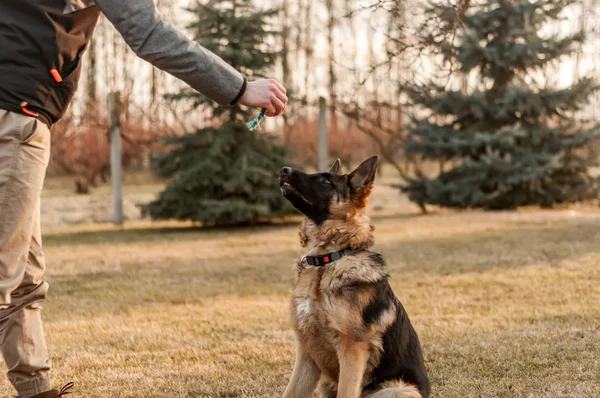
(24, 155)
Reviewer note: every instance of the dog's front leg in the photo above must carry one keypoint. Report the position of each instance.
(353, 356)
(305, 376)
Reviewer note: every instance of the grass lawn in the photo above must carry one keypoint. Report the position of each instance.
(506, 305)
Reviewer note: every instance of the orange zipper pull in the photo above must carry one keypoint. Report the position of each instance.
(56, 75)
(27, 111)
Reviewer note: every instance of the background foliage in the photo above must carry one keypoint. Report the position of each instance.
(508, 141)
(225, 174)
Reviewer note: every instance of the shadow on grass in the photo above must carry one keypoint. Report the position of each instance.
(144, 234)
(117, 291)
(502, 249)
(111, 234)
(272, 273)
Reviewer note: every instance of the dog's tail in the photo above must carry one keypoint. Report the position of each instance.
(395, 389)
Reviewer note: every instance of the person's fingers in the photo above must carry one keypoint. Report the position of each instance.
(279, 87)
(279, 105)
(284, 101)
(281, 96)
(271, 110)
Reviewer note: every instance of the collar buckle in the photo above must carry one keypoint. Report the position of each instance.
(319, 261)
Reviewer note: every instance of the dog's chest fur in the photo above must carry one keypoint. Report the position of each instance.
(329, 302)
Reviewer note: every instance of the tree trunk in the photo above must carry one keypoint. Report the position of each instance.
(330, 4)
(91, 76)
(285, 61)
(308, 51)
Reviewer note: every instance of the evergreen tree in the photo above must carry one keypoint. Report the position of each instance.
(225, 175)
(509, 141)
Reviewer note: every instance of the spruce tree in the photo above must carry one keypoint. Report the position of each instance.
(511, 140)
(225, 175)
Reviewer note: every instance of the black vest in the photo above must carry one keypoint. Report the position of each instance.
(41, 45)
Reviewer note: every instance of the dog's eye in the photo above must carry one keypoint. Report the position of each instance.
(325, 181)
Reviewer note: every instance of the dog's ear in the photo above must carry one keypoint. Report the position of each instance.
(364, 174)
(336, 167)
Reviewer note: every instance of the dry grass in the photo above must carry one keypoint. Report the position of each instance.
(506, 305)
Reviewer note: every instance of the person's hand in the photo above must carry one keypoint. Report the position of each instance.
(268, 94)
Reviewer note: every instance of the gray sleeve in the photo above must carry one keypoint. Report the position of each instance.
(159, 43)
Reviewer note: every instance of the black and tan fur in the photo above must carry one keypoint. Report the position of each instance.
(354, 338)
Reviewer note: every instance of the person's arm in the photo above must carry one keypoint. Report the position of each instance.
(159, 43)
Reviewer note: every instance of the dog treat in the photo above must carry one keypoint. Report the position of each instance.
(253, 124)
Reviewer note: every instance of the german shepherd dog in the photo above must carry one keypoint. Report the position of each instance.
(353, 337)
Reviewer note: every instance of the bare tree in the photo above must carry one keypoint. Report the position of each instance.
(308, 49)
(331, 18)
(285, 64)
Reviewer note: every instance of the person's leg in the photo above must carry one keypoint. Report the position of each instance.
(24, 154)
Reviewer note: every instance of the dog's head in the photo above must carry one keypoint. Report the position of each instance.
(323, 196)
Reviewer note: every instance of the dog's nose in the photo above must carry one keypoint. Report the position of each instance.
(286, 171)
